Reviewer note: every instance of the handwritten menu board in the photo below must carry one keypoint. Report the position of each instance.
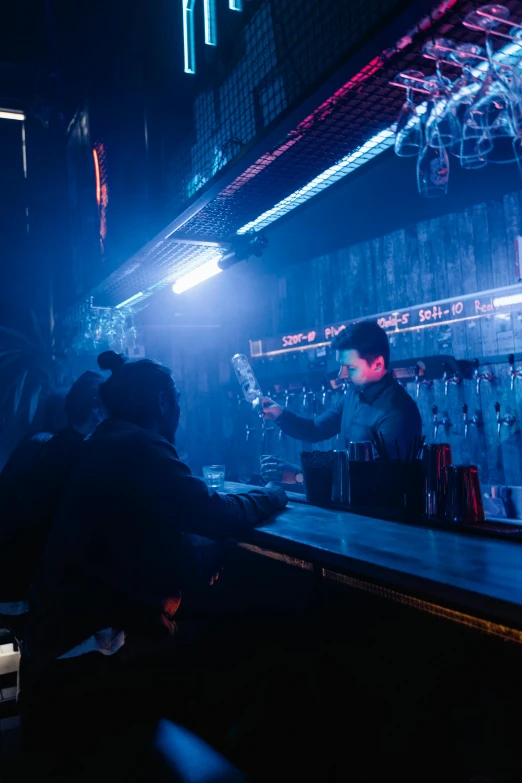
(425, 316)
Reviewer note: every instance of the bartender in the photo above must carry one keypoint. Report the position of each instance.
(374, 403)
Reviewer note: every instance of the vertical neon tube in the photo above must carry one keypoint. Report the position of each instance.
(24, 151)
(189, 43)
(97, 175)
(210, 22)
(235, 5)
(24, 163)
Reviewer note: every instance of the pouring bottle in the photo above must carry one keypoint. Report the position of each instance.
(247, 380)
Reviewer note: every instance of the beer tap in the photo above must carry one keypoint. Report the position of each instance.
(479, 377)
(324, 392)
(449, 377)
(420, 381)
(305, 395)
(507, 419)
(312, 395)
(445, 422)
(469, 422)
(513, 373)
(436, 423)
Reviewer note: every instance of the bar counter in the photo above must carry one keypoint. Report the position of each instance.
(464, 578)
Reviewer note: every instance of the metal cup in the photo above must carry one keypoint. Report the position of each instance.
(318, 475)
(436, 457)
(340, 477)
(360, 451)
(464, 498)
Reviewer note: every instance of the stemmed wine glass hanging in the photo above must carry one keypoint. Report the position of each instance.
(477, 117)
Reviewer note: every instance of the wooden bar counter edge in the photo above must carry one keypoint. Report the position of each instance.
(471, 580)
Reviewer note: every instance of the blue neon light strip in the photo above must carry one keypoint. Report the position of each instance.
(377, 144)
(129, 300)
(189, 42)
(210, 22)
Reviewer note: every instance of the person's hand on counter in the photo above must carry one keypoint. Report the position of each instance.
(270, 410)
(276, 469)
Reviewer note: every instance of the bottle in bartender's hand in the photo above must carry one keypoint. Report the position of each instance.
(247, 380)
(270, 409)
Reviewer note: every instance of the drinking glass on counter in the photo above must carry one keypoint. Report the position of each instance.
(214, 476)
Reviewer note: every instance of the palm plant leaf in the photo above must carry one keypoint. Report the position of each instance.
(19, 390)
(9, 357)
(14, 334)
(38, 331)
(28, 371)
(33, 404)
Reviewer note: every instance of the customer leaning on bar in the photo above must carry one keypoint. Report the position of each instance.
(374, 403)
(112, 572)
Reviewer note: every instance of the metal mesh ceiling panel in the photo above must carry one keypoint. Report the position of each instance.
(160, 265)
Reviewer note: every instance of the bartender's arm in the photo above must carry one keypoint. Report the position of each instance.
(324, 427)
(276, 469)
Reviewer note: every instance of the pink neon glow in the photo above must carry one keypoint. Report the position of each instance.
(102, 190)
(260, 164)
(322, 112)
(97, 175)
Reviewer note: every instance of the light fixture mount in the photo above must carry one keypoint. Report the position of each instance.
(242, 248)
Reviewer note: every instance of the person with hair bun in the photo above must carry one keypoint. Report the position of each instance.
(114, 565)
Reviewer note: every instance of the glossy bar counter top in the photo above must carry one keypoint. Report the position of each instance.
(473, 575)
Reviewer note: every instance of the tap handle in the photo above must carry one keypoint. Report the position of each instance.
(434, 410)
(511, 359)
(497, 408)
(465, 409)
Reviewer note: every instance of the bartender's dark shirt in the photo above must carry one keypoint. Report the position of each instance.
(384, 407)
(115, 556)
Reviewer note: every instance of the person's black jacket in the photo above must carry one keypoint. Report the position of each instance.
(115, 555)
(30, 485)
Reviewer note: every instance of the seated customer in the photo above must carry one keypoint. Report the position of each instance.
(113, 567)
(112, 563)
(22, 459)
(29, 488)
